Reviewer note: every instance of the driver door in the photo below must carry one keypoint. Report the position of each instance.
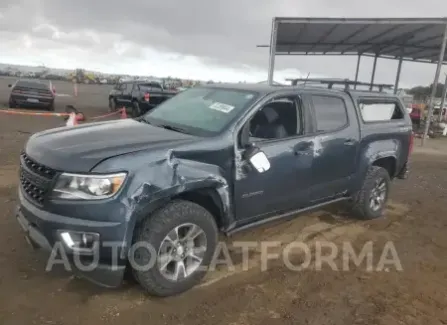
(282, 138)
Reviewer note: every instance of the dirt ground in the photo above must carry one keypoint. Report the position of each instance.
(415, 223)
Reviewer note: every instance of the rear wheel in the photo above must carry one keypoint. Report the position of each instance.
(136, 111)
(175, 245)
(370, 201)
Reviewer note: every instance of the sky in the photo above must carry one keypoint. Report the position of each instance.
(194, 39)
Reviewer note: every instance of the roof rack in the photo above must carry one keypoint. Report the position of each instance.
(330, 82)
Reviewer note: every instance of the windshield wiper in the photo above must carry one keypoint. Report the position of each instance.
(142, 119)
(172, 128)
(164, 126)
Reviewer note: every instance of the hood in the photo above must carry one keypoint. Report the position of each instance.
(80, 148)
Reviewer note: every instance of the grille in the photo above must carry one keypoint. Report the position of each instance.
(35, 178)
(34, 192)
(38, 168)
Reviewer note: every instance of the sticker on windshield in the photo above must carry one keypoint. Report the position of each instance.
(221, 107)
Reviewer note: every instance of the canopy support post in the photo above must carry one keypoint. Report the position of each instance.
(357, 70)
(272, 51)
(444, 93)
(399, 69)
(373, 74)
(435, 86)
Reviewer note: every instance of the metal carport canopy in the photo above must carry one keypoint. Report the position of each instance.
(413, 39)
(405, 39)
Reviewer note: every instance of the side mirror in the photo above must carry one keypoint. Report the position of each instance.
(257, 159)
(9, 85)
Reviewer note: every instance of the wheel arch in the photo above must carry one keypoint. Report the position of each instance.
(384, 159)
(207, 197)
(389, 163)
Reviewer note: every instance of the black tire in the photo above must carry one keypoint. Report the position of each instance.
(136, 111)
(153, 231)
(51, 107)
(12, 104)
(361, 205)
(112, 105)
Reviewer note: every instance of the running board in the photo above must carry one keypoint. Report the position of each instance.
(284, 215)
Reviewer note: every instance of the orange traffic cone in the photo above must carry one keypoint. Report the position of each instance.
(123, 113)
(72, 120)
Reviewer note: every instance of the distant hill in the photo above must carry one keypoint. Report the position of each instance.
(37, 69)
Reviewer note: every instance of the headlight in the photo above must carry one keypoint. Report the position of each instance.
(87, 187)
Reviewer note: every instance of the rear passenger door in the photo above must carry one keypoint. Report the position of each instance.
(336, 142)
(118, 93)
(126, 97)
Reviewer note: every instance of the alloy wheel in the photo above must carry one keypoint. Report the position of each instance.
(182, 251)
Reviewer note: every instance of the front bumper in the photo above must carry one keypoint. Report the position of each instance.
(41, 228)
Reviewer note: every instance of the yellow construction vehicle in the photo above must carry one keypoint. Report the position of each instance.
(81, 76)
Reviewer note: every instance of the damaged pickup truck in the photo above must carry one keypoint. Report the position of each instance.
(158, 189)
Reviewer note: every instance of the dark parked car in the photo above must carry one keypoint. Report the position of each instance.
(215, 158)
(138, 96)
(32, 93)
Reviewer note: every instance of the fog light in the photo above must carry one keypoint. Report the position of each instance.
(67, 239)
(79, 241)
(87, 239)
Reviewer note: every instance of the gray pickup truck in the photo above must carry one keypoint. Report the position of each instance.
(138, 96)
(214, 158)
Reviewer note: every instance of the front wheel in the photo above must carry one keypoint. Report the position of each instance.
(112, 105)
(173, 247)
(370, 201)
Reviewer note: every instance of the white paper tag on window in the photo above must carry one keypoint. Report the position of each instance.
(221, 107)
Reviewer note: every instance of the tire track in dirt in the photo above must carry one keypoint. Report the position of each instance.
(308, 232)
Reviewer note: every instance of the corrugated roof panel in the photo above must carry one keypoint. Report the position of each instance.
(418, 39)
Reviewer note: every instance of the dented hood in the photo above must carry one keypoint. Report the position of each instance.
(80, 148)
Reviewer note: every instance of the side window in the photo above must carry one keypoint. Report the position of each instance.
(280, 118)
(119, 86)
(126, 87)
(330, 113)
(153, 86)
(376, 110)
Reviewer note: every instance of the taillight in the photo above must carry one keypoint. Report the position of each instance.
(411, 142)
(146, 97)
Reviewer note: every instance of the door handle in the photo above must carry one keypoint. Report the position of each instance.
(350, 142)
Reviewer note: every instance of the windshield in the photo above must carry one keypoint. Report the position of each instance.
(32, 84)
(202, 111)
